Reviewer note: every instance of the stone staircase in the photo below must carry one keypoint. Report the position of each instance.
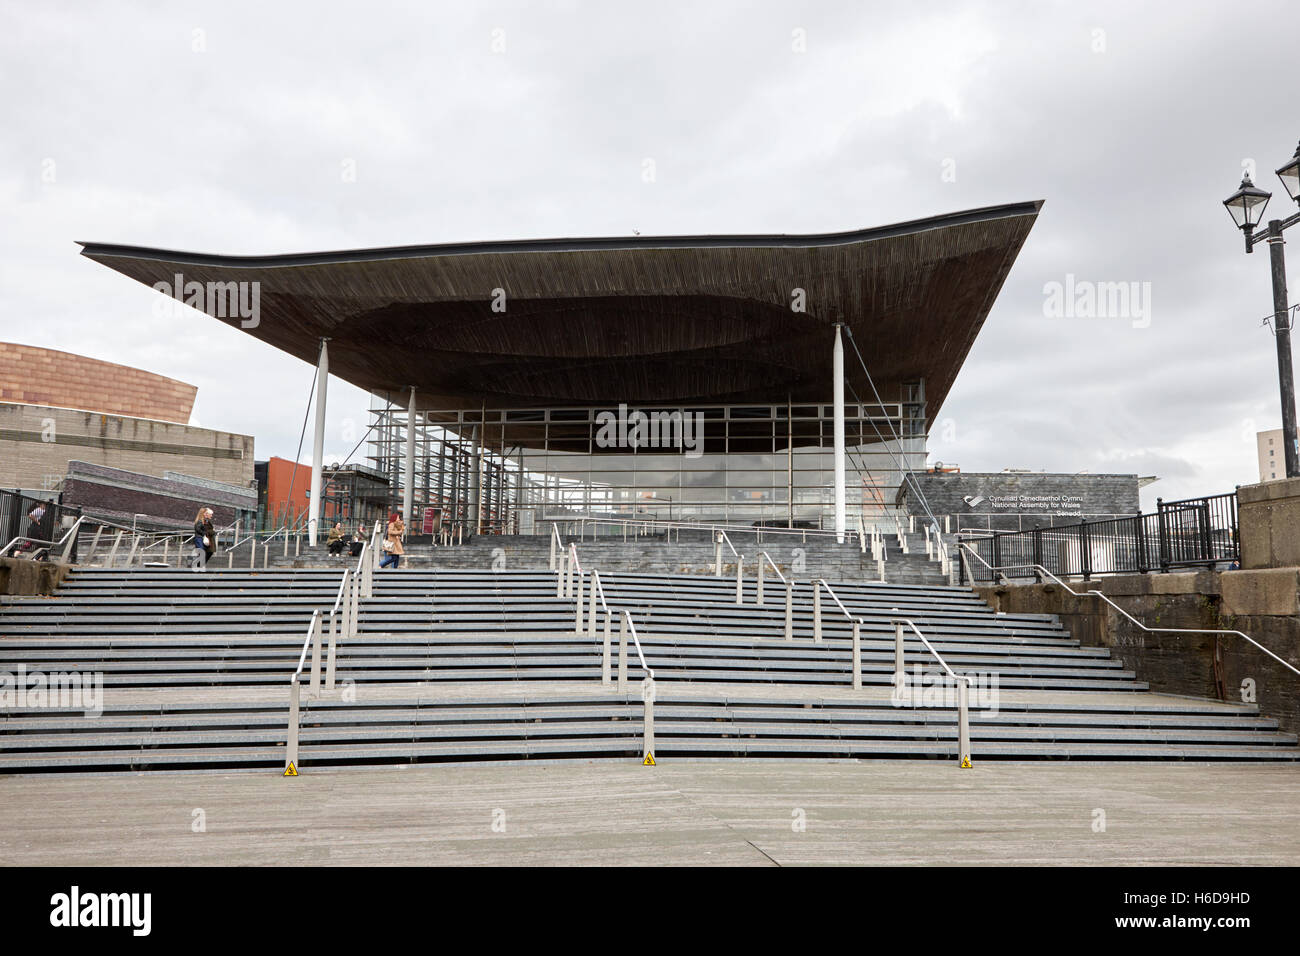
(454, 664)
(815, 557)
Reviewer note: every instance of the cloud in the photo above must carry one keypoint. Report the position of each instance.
(226, 127)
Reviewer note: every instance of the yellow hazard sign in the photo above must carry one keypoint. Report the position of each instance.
(965, 763)
(291, 770)
(649, 760)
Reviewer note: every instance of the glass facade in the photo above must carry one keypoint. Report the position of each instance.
(508, 470)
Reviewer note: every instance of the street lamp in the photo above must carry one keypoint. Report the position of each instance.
(1246, 206)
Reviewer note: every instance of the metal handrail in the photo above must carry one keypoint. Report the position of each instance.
(313, 639)
(66, 540)
(962, 681)
(855, 621)
(557, 543)
(764, 554)
(789, 592)
(653, 523)
(1150, 630)
(898, 622)
(722, 536)
(631, 626)
(822, 582)
(598, 594)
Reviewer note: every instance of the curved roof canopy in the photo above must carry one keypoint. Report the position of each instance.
(644, 320)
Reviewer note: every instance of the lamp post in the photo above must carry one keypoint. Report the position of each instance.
(1246, 206)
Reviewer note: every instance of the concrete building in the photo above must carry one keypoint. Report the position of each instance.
(1272, 456)
(57, 408)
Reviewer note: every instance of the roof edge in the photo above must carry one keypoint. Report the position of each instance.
(94, 250)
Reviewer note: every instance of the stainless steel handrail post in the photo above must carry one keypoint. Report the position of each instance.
(857, 655)
(622, 652)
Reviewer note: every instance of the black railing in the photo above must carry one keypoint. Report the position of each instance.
(1196, 532)
(15, 522)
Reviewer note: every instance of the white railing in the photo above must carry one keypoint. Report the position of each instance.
(855, 621)
(312, 640)
(936, 549)
(718, 540)
(962, 682)
(1039, 569)
(557, 545)
(627, 626)
(763, 557)
(643, 526)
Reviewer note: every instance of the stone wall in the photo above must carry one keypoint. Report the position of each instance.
(37, 442)
(24, 576)
(1269, 518)
(1263, 604)
(1009, 501)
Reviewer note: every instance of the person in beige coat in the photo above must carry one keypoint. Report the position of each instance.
(393, 542)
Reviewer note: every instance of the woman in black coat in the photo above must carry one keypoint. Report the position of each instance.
(210, 533)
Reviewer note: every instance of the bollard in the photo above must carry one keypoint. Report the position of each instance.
(591, 610)
(717, 556)
(112, 554)
(622, 652)
(266, 555)
(552, 547)
(286, 542)
(857, 655)
(568, 575)
(740, 579)
(880, 567)
(963, 723)
(648, 740)
(758, 589)
(789, 610)
(167, 551)
(817, 613)
(291, 745)
(297, 545)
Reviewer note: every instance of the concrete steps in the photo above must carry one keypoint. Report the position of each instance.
(818, 556)
(429, 729)
(472, 664)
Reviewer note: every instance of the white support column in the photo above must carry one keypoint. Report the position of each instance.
(318, 445)
(408, 472)
(837, 367)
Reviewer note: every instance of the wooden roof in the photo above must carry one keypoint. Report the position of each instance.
(642, 320)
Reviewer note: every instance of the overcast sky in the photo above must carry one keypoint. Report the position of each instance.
(229, 127)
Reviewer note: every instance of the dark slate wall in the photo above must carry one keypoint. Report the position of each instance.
(1014, 501)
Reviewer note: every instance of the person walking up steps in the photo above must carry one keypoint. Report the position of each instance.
(393, 542)
(201, 543)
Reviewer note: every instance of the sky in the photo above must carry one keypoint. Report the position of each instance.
(261, 128)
